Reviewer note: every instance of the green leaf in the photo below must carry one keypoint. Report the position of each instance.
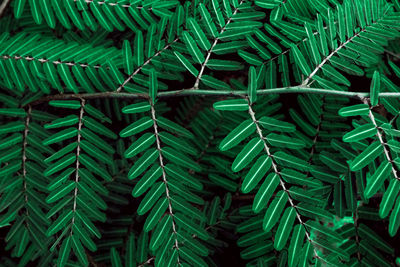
(198, 33)
(187, 64)
(191, 46)
(156, 213)
(136, 108)
(394, 220)
(147, 180)
(280, 140)
(138, 49)
(257, 171)
(291, 161)
(273, 124)
(13, 112)
(173, 127)
(252, 87)
(137, 127)
(284, 228)
(115, 258)
(355, 110)
(265, 192)
(232, 105)
(19, 7)
(143, 163)
(153, 85)
(313, 44)
(274, 210)
(237, 135)
(151, 198)
(360, 133)
(160, 233)
(72, 104)
(61, 136)
(367, 156)
(296, 244)
(65, 250)
(214, 83)
(248, 153)
(375, 182)
(300, 60)
(140, 145)
(180, 159)
(389, 198)
(375, 88)
(127, 53)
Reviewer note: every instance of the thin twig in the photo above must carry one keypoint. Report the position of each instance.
(78, 149)
(281, 180)
(24, 146)
(55, 62)
(382, 142)
(196, 84)
(164, 175)
(144, 64)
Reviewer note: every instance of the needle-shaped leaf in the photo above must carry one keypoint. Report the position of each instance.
(138, 49)
(127, 53)
(355, 110)
(284, 228)
(187, 64)
(265, 192)
(280, 140)
(367, 156)
(274, 210)
(296, 244)
(237, 135)
(257, 171)
(300, 60)
(198, 33)
(252, 87)
(313, 44)
(389, 198)
(360, 133)
(153, 85)
(137, 127)
(191, 46)
(375, 88)
(377, 179)
(394, 220)
(232, 105)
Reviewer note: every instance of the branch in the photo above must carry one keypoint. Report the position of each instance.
(78, 150)
(164, 175)
(216, 93)
(277, 172)
(144, 64)
(203, 66)
(380, 138)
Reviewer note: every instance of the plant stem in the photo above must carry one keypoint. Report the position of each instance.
(202, 92)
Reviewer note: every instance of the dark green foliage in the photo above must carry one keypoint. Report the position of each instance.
(174, 133)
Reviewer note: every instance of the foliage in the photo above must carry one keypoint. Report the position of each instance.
(160, 132)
